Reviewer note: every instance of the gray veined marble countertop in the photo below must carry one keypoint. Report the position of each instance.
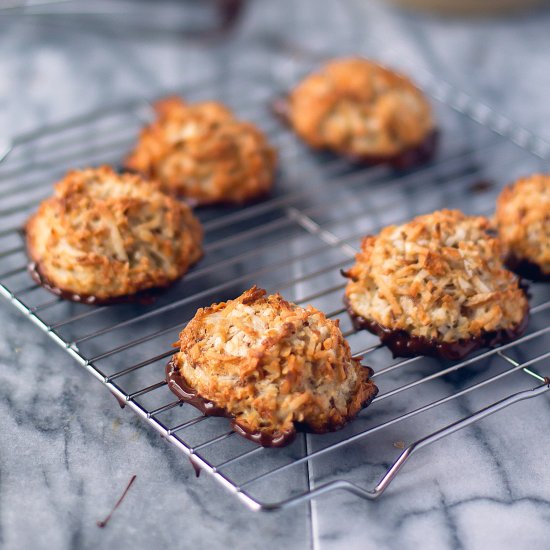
(67, 450)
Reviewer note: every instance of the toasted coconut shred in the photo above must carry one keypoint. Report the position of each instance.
(108, 235)
(359, 108)
(270, 364)
(523, 221)
(203, 152)
(439, 277)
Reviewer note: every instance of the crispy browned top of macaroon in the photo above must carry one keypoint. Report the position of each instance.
(202, 151)
(108, 235)
(270, 363)
(439, 276)
(359, 108)
(523, 220)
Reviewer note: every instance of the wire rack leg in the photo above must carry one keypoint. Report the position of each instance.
(390, 475)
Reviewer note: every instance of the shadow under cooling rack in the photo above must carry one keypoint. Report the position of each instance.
(296, 242)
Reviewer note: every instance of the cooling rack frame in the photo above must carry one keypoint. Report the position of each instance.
(440, 91)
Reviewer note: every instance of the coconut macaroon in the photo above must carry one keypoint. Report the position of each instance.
(269, 365)
(523, 221)
(103, 236)
(202, 152)
(436, 286)
(362, 110)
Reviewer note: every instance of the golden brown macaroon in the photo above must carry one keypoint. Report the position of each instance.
(103, 236)
(523, 221)
(436, 286)
(364, 111)
(201, 151)
(269, 364)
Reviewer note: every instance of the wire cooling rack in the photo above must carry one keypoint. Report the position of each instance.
(295, 242)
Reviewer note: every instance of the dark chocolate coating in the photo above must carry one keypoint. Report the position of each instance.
(196, 466)
(178, 385)
(402, 344)
(481, 186)
(145, 297)
(526, 268)
(404, 160)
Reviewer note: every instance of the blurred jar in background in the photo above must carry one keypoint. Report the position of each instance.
(471, 7)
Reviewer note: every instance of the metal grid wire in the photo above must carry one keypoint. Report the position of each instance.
(295, 242)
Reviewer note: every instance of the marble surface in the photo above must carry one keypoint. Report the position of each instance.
(67, 450)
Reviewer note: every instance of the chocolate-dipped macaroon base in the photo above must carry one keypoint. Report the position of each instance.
(403, 344)
(410, 158)
(178, 385)
(527, 269)
(143, 297)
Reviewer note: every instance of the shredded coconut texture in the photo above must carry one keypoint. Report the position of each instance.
(108, 235)
(440, 277)
(523, 220)
(203, 152)
(358, 108)
(270, 363)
